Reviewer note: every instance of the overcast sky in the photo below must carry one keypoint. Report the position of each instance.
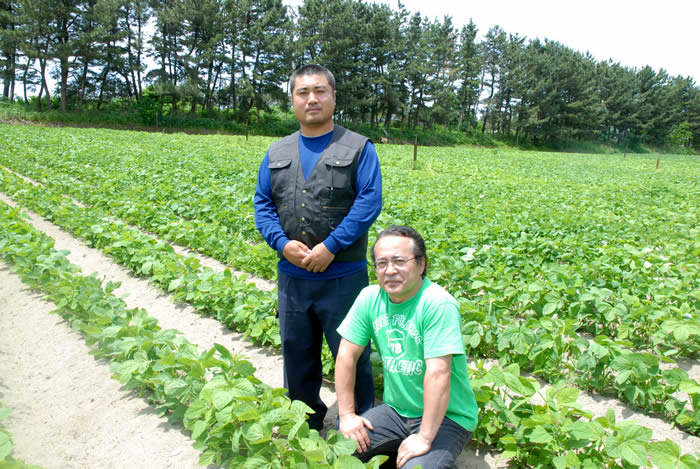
(661, 33)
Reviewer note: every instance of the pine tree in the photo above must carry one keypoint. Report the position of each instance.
(469, 63)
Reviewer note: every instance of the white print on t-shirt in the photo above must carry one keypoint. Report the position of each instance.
(380, 323)
(395, 339)
(392, 361)
(408, 326)
(397, 321)
(404, 367)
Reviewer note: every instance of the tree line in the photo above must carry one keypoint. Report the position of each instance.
(393, 68)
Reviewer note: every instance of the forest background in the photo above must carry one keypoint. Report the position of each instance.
(223, 65)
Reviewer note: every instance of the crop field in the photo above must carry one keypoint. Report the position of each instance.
(578, 278)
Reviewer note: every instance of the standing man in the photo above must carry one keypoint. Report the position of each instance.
(429, 410)
(319, 190)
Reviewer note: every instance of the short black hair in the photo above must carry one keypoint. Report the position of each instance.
(311, 69)
(419, 251)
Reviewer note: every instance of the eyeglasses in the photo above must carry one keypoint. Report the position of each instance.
(398, 262)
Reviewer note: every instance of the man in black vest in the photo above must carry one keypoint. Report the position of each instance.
(319, 190)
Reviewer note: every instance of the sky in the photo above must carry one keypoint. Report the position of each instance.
(660, 33)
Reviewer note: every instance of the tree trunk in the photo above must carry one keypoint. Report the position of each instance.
(83, 83)
(139, 90)
(24, 80)
(387, 119)
(44, 86)
(209, 88)
(420, 102)
(64, 82)
(125, 74)
(7, 79)
(234, 101)
(213, 88)
(12, 86)
(130, 57)
(103, 81)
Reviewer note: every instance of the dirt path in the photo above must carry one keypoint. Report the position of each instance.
(94, 408)
(66, 410)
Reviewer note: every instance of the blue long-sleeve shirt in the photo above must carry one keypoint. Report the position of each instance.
(364, 210)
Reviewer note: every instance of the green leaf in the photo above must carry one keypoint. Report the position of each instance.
(300, 408)
(346, 461)
(376, 461)
(175, 284)
(316, 455)
(255, 433)
(567, 395)
(689, 462)
(243, 388)
(629, 443)
(690, 386)
(222, 397)
(208, 457)
(198, 428)
(623, 376)
(296, 427)
(5, 445)
(344, 445)
(567, 461)
(588, 431)
(175, 386)
(540, 435)
(196, 410)
(664, 453)
(549, 308)
(256, 462)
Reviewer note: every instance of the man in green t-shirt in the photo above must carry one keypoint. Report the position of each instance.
(429, 409)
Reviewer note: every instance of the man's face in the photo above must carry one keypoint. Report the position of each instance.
(398, 272)
(313, 101)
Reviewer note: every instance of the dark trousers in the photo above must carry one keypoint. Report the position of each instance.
(308, 310)
(390, 429)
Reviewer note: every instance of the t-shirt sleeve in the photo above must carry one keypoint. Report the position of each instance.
(442, 330)
(356, 325)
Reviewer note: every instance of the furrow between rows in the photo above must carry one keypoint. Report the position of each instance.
(66, 411)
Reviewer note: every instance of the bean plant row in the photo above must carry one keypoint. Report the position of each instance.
(238, 421)
(203, 201)
(528, 309)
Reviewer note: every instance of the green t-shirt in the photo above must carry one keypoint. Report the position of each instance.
(405, 334)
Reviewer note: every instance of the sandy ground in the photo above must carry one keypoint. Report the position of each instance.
(69, 413)
(66, 411)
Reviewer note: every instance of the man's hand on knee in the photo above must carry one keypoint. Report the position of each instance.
(414, 445)
(353, 426)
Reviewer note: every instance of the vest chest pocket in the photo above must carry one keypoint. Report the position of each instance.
(337, 198)
(277, 166)
(340, 172)
(280, 188)
(335, 204)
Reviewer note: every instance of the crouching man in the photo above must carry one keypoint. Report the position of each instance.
(429, 410)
